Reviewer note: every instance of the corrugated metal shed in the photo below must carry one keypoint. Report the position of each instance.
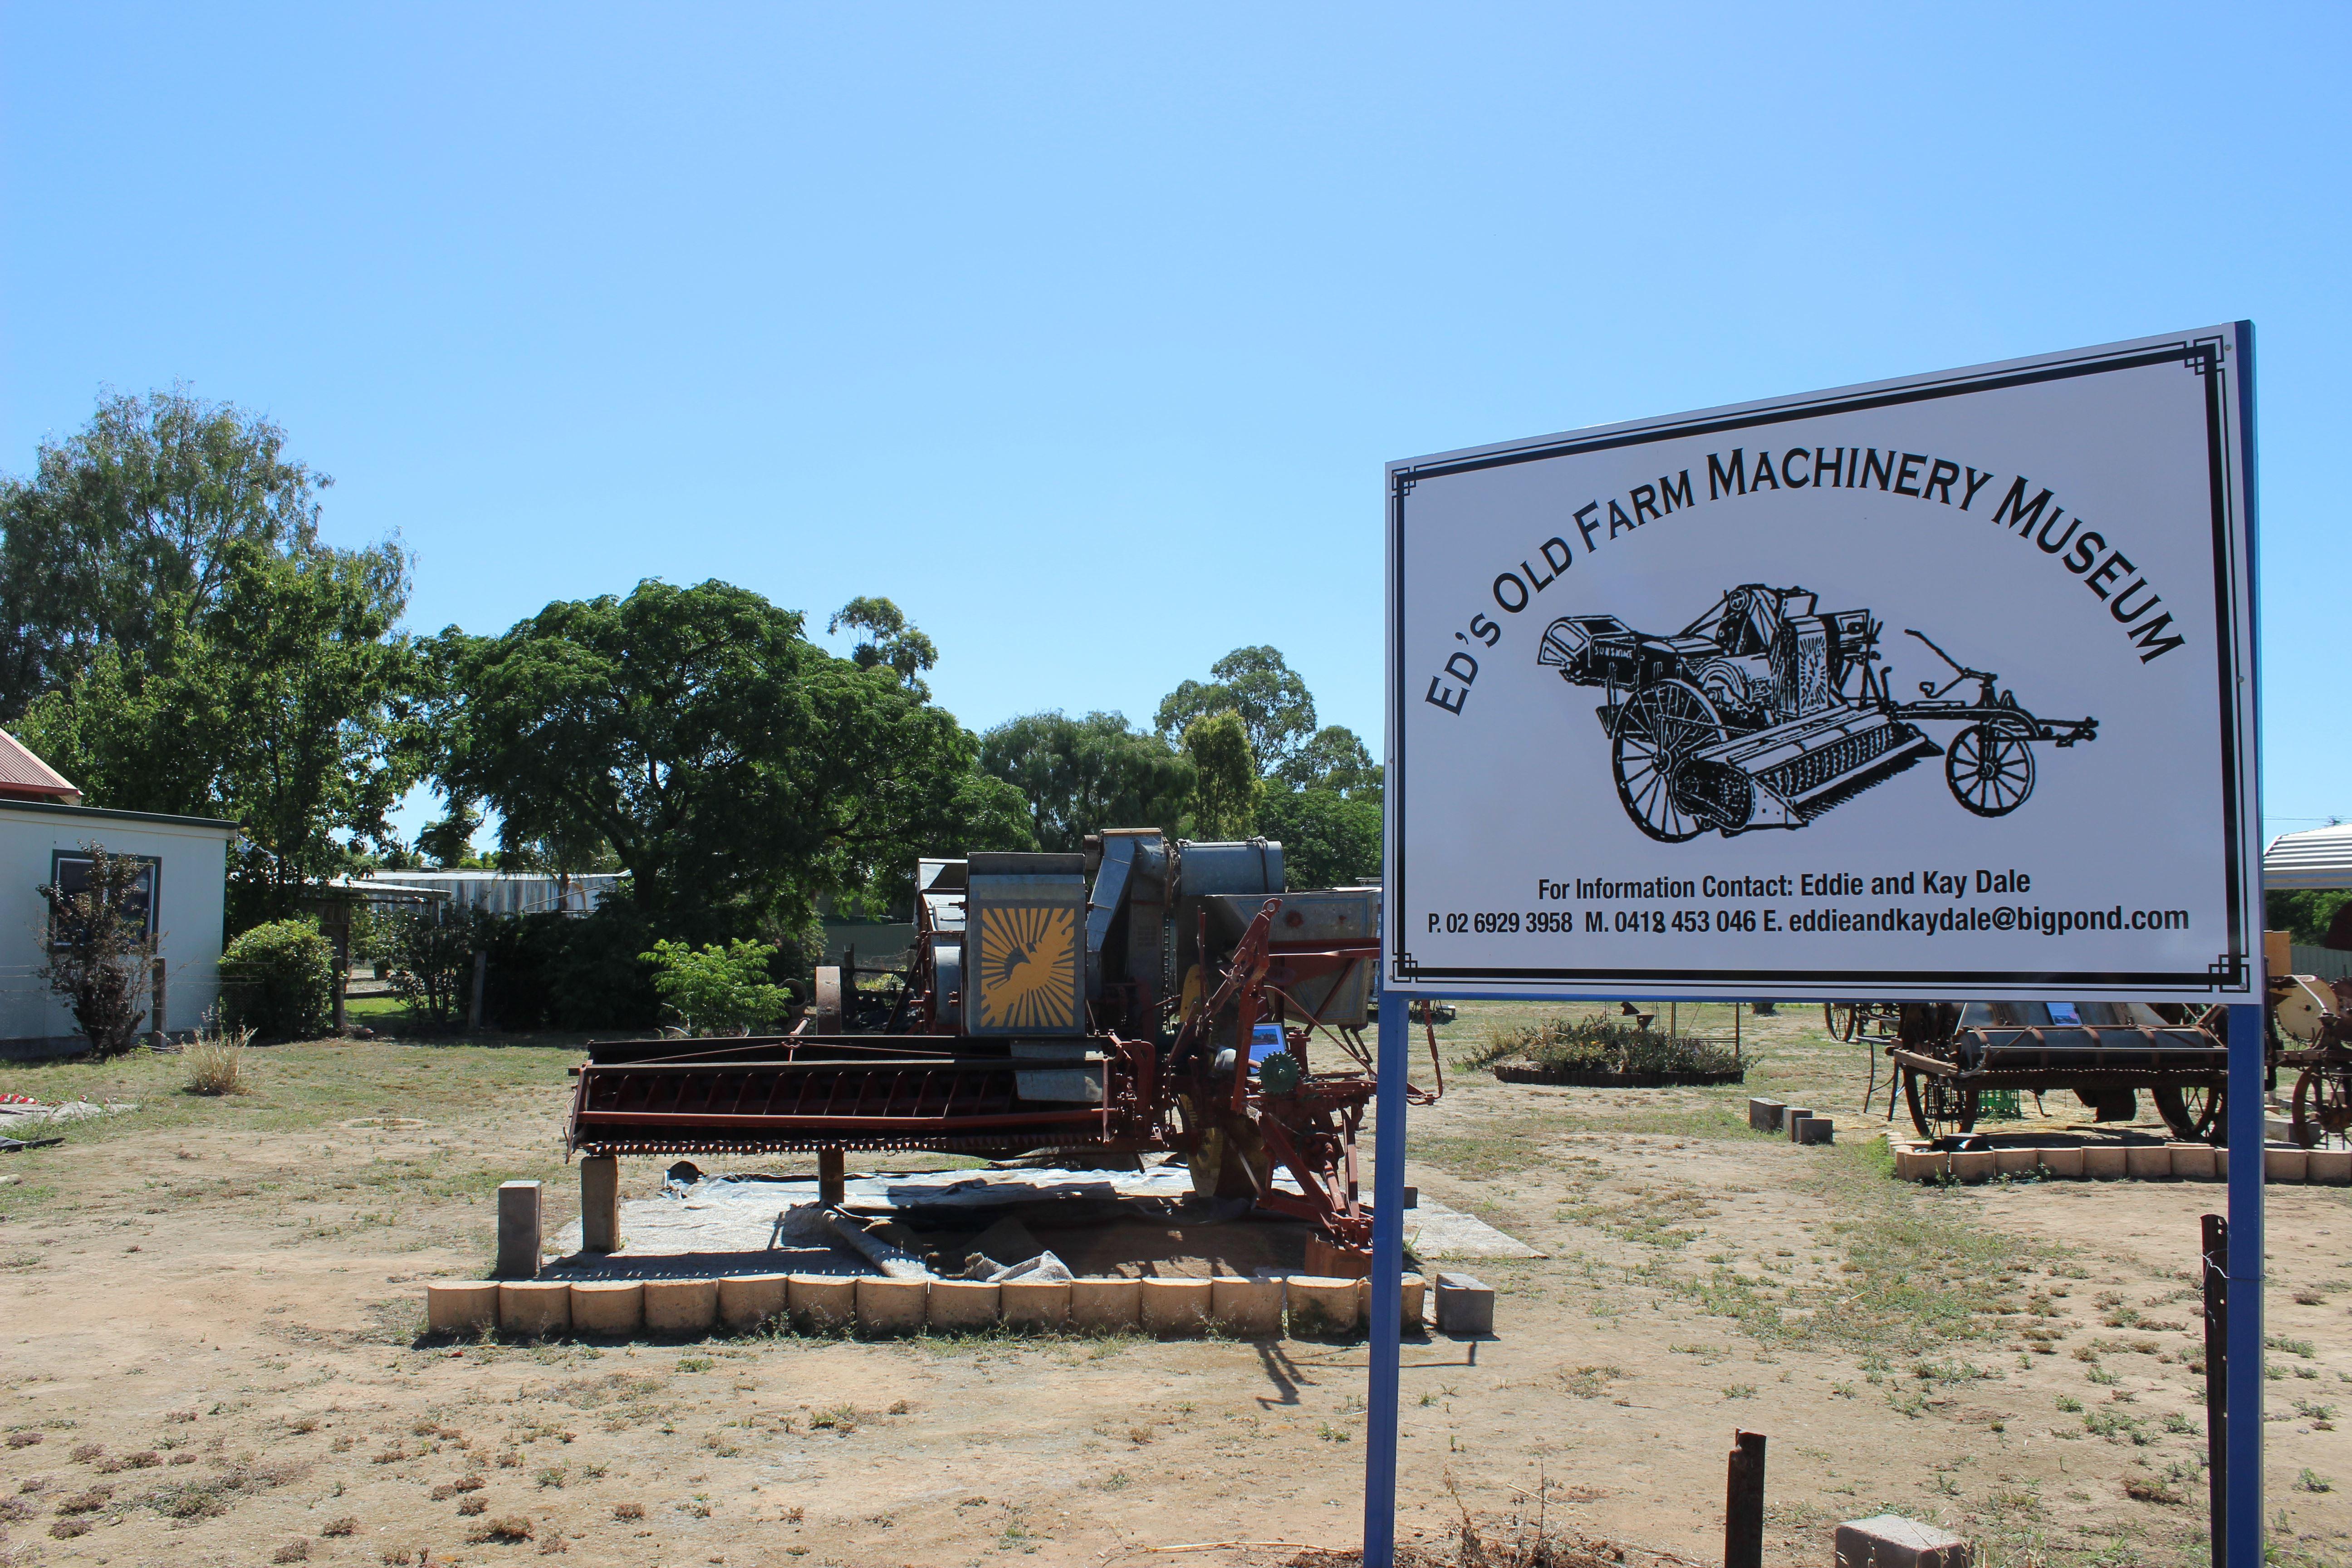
(2317, 857)
(24, 776)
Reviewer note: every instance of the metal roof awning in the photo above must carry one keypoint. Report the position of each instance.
(2317, 857)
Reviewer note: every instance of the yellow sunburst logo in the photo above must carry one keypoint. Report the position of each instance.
(1028, 969)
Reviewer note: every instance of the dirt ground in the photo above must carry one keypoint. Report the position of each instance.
(212, 1353)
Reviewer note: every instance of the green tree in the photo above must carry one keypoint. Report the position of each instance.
(1079, 776)
(737, 770)
(1226, 788)
(1335, 759)
(2308, 913)
(889, 640)
(449, 841)
(276, 704)
(1328, 840)
(132, 526)
(1273, 701)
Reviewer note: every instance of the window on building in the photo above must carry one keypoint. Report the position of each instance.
(70, 874)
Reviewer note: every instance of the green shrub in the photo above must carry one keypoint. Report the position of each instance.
(716, 989)
(571, 971)
(277, 980)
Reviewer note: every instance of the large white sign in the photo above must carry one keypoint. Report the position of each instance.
(1941, 688)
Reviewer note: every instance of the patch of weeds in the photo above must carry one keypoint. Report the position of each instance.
(1740, 1391)
(295, 1551)
(841, 1418)
(2293, 1347)
(629, 1510)
(1585, 1382)
(696, 1363)
(552, 1477)
(1331, 1434)
(508, 1529)
(2180, 1422)
(2070, 1405)
(2309, 1482)
(347, 1525)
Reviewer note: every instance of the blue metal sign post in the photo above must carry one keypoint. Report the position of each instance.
(1388, 1285)
(2244, 1468)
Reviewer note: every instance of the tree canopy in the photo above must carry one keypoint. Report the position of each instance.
(1276, 711)
(1225, 785)
(1081, 775)
(1328, 840)
(275, 704)
(131, 525)
(737, 769)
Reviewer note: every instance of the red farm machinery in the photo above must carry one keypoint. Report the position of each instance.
(1146, 996)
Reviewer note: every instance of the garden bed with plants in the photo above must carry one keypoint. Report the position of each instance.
(1604, 1053)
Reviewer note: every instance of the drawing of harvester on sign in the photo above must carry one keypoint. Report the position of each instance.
(1763, 713)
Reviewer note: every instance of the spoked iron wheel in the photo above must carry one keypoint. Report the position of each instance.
(1659, 731)
(2323, 1104)
(2192, 1112)
(1990, 770)
(1938, 1106)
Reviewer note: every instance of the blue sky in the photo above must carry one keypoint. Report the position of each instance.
(1083, 332)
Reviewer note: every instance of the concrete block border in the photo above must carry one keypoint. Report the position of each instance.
(2118, 1162)
(1296, 1306)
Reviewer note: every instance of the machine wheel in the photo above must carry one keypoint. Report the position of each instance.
(1990, 770)
(1938, 1109)
(2323, 1105)
(2192, 1112)
(1659, 731)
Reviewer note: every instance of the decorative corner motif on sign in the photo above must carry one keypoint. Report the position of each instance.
(1406, 479)
(2227, 972)
(2204, 355)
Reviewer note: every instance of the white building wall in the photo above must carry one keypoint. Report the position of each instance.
(192, 888)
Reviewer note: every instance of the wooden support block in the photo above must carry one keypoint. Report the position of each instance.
(610, 1307)
(600, 1203)
(681, 1308)
(2144, 1162)
(519, 1230)
(831, 1176)
(2329, 1167)
(2017, 1162)
(461, 1306)
(748, 1301)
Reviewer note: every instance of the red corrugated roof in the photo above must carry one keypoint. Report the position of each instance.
(24, 776)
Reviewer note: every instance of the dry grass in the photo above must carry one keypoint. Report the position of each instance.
(216, 1059)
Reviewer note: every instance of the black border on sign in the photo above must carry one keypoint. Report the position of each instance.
(2204, 357)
